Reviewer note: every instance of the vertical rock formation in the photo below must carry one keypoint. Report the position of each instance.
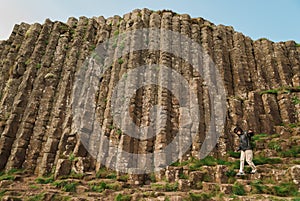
(37, 71)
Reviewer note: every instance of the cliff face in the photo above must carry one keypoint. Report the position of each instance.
(38, 65)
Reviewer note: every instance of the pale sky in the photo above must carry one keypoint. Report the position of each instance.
(277, 20)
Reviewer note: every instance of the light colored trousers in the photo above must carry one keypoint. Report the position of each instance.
(248, 155)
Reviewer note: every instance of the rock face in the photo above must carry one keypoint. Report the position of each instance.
(38, 65)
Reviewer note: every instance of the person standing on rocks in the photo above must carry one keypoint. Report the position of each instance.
(246, 149)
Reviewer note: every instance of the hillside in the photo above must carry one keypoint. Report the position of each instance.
(42, 118)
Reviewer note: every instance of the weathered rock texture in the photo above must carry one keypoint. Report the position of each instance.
(38, 64)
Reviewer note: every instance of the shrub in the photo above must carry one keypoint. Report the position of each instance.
(238, 189)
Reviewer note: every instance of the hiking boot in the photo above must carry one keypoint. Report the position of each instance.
(240, 174)
(253, 171)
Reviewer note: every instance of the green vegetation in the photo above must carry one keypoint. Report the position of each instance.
(199, 197)
(34, 187)
(38, 197)
(260, 160)
(183, 176)
(286, 189)
(66, 185)
(258, 187)
(112, 175)
(120, 61)
(10, 175)
(121, 197)
(238, 189)
(234, 154)
(230, 173)
(274, 145)
(116, 33)
(2, 193)
(295, 100)
(123, 178)
(297, 44)
(292, 152)
(259, 137)
(99, 187)
(92, 47)
(270, 91)
(43, 180)
(72, 157)
(119, 131)
(169, 187)
(196, 164)
(38, 66)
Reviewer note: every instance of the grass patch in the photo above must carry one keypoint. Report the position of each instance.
(238, 189)
(259, 137)
(34, 187)
(295, 100)
(169, 187)
(10, 175)
(38, 197)
(258, 187)
(296, 162)
(274, 145)
(199, 197)
(98, 188)
(123, 178)
(183, 176)
(120, 61)
(270, 91)
(42, 180)
(121, 197)
(234, 154)
(7, 177)
(286, 189)
(230, 173)
(104, 173)
(260, 160)
(293, 152)
(297, 44)
(66, 186)
(196, 164)
(38, 66)
(2, 193)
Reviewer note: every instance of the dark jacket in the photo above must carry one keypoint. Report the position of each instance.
(245, 141)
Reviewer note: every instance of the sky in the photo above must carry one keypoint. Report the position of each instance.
(277, 20)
